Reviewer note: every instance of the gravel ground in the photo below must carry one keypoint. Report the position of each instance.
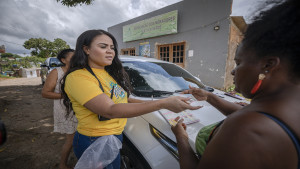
(31, 143)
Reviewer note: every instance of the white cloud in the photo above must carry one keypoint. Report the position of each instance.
(246, 8)
(24, 19)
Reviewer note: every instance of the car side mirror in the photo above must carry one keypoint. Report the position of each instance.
(53, 65)
(207, 88)
(199, 83)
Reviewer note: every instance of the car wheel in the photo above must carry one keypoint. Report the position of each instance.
(131, 158)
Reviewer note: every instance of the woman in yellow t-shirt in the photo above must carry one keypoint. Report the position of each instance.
(96, 84)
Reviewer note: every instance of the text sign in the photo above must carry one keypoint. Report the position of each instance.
(156, 26)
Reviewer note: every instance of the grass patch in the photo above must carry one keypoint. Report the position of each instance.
(230, 89)
(5, 76)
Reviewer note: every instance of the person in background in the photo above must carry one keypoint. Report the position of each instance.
(264, 134)
(62, 123)
(97, 84)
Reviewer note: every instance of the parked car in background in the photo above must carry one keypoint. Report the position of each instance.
(49, 64)
(148, 139)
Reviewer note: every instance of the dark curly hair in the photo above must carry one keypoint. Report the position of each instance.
(276, 32)
(80, 61)
(63, 54)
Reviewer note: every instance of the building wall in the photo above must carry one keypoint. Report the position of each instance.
(236, 37)
(28, 73)
(196, 22)
(234, 40)
(2, 49)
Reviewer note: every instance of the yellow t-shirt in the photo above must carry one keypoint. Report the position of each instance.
(81, 86)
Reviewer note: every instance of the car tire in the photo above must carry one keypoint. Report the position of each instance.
(131, 158)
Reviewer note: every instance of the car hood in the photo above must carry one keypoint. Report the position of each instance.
(206, 115)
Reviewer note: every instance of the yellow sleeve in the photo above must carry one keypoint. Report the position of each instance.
(82, 87)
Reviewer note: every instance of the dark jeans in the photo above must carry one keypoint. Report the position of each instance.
(82, 142)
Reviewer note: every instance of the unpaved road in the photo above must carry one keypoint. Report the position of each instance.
(28, 118)
(21, 81)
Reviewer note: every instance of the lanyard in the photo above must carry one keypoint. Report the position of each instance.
(101, 118)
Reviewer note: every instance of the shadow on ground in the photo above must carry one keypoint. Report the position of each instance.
(28, 118)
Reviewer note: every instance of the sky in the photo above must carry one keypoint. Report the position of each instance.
(25, 19)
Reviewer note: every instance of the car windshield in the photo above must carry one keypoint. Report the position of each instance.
(54, 62)
(156, 79)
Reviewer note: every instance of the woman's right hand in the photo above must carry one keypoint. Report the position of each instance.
(178, 104)
(199, 94)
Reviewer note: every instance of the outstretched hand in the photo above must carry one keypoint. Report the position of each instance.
(178, 104)
(199, 94)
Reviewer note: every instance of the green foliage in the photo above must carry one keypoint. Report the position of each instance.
(36, 60)
(17, 56)
(44, 48)
(10, 55)
(5, 76)
(6, 55)
(58, 45)
(73, 3)
(230, 89)
(36, 44)
(25, 62)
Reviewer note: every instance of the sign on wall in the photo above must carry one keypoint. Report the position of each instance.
(144, 49)
(156, 26)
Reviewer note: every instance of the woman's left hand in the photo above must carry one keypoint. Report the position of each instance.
(179, 129)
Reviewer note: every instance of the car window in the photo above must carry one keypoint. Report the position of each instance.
(54, 62)
(145, 76)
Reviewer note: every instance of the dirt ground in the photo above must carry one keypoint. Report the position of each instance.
(31, 143)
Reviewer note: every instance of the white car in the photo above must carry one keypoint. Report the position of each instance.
(49, 64)
(148, 139)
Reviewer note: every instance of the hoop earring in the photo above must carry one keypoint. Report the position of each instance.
(258, 83)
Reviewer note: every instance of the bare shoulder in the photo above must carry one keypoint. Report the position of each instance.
(53, 73)
(52, 77)
(249, 140)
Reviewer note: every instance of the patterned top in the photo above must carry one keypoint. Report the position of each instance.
(204, 136)
(61, 123)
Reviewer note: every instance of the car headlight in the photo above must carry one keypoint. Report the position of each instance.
(169, 144)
